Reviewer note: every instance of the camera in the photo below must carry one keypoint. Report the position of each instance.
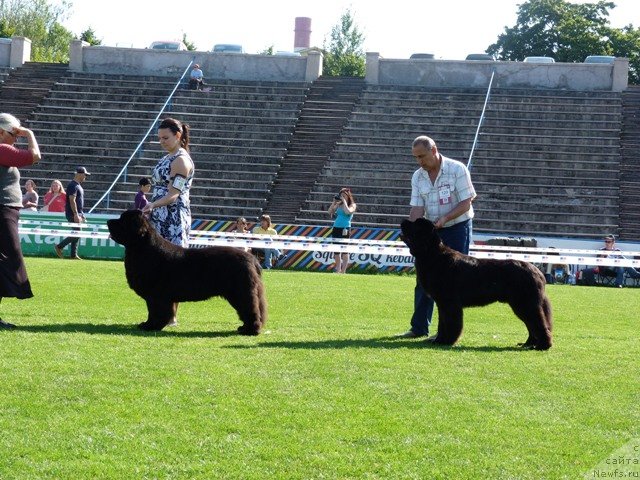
(337, 197)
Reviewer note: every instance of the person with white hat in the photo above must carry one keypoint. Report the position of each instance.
(14, 282)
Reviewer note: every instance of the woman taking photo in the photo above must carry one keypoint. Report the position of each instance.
(13, 274)
(342, 209)
(170, 207)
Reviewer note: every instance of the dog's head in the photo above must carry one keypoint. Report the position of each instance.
(420, 236)
(131, 228)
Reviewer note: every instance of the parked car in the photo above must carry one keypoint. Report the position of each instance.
(481, 56)
(423, 56)
(284, 53)
(168, 45)
(539, 60)
(227, 48)
(599, 59)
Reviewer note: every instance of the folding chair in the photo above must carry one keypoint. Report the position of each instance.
(606, 276)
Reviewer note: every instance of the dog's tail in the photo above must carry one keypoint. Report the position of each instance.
(262, 300)
(256, 263)
(260, 297)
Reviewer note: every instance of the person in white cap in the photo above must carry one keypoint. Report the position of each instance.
(14, 282)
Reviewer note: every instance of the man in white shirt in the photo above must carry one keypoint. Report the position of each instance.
(441, 191)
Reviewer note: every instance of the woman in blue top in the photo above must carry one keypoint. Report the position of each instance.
(342, 209)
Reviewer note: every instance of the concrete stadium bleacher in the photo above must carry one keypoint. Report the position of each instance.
(239, 134)
(4, 73)
(547, 162)
(630, 164)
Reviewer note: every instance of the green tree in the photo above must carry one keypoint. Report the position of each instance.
(267, 51)
(188, 43)
(568, 32)
(625, 42)
(343, 55)
(5, 30)
(55, 46)
(39, 21)
(89, 36)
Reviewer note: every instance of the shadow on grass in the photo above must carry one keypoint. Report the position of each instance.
(388, 343)
(117, 329)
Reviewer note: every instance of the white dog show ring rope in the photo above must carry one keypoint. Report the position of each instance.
(291, 242)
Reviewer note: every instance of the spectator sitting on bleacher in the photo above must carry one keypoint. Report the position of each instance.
(196, 79)
(588, 274)
(266, 228)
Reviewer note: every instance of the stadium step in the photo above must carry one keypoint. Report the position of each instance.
(329, 103)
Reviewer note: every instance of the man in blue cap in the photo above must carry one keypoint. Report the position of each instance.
(74, 211)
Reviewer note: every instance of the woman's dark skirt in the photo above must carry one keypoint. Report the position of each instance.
(13, 274)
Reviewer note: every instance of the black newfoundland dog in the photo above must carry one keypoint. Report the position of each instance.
(455, 281)
(164, 274)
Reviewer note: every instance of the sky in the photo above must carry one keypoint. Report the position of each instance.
(449, 29)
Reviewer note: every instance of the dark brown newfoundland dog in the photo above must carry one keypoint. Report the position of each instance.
(455, 281)
(164, 274)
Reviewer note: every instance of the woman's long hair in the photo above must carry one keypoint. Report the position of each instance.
(347, 192)
(57, 182)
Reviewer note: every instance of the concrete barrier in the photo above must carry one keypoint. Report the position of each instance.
(464, 74)
(15, 53)
(232, 66)
(5, 54)
(379, 71)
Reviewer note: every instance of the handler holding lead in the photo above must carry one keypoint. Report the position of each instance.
(441, 191)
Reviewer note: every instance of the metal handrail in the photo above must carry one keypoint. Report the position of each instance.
(144, 139)
(484, 107)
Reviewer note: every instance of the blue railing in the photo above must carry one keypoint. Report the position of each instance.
(123, 171)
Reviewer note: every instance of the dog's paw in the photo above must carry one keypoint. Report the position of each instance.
(147, 327)
(247, 330)
(438, 340)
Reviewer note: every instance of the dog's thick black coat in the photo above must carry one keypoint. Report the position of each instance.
(455, 281)
(164, 274)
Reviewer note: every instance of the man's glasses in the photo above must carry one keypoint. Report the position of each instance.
(608, 241)
(10, 133)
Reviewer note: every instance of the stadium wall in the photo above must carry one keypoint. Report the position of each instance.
(465, 74)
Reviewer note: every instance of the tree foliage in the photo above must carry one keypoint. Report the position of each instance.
(89, 36)
(568, 32)
(268, 51)
(39, 21)
(343, 55)
(188, 43)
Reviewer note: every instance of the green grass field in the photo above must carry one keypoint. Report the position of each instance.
(325, 393)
